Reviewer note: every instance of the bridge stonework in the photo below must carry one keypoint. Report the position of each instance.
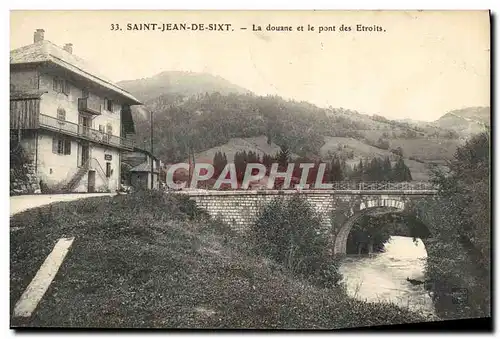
(339, 210)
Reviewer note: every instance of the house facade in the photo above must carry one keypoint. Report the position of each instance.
(72, 123)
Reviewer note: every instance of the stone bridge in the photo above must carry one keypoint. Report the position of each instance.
(339, 208)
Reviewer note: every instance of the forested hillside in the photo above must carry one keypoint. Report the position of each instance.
(226, 118)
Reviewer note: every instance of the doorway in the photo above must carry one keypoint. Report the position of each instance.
(91, 182)
(85, 124)
(85, 154)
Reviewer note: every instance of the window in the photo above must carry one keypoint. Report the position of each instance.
(109, 129)
(85, 93)
(61, 114)
(61, 85)
(108, 169)
(61, 146)
(101, 129)
(108, 104)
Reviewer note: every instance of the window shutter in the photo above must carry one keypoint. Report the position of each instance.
(55, 145)
(65, 87)
(60, 146)
(54, 83)
(67, 147)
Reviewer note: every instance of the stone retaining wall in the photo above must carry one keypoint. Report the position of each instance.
(24, 180)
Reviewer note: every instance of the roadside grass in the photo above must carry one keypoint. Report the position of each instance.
(154, 260)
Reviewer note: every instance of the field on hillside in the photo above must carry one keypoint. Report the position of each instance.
(426, 150)
(360, 150)
(255, 144)
(432, 150)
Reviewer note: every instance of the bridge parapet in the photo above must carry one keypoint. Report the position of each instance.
(338, 208)
(196, 193)
(406, 188)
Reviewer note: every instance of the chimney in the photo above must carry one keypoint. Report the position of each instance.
(68, 48)
(38, 36)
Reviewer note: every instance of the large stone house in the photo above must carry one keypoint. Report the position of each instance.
(71, 122)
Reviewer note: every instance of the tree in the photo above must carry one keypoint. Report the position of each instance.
(267, 161)
(382, 143)
(369, 231)
(240, 163)
(387, 169)
(336, 171)
(290, 232)
(459, 256)
(401, 172)
(398, 151)
(219, 162)
(283, 156)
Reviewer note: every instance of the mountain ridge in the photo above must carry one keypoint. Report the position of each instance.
(181, 83)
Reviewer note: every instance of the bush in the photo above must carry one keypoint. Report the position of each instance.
(18, 162)
(383, 144)
(290, 232)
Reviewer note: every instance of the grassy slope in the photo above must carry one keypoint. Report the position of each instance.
(468, 120)
(139, 261)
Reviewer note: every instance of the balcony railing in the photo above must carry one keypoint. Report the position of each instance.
(84, 132)
(87, 105)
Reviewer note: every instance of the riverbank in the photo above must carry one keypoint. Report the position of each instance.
(152, 260)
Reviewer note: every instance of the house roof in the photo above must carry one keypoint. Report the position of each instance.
(26, 94)
(144, 167)
(46, 51)
(140, 150)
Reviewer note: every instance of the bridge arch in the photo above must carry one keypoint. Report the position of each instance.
(372, 207)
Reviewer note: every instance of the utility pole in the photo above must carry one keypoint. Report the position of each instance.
(151, 150)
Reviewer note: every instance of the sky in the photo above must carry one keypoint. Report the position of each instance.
(420, 66)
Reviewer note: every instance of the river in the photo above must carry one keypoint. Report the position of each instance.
(382, 276)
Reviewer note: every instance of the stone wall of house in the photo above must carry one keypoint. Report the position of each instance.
(24, 180)
(23, 177)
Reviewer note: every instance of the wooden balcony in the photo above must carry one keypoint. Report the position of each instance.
(87, 133)
(86, 105)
